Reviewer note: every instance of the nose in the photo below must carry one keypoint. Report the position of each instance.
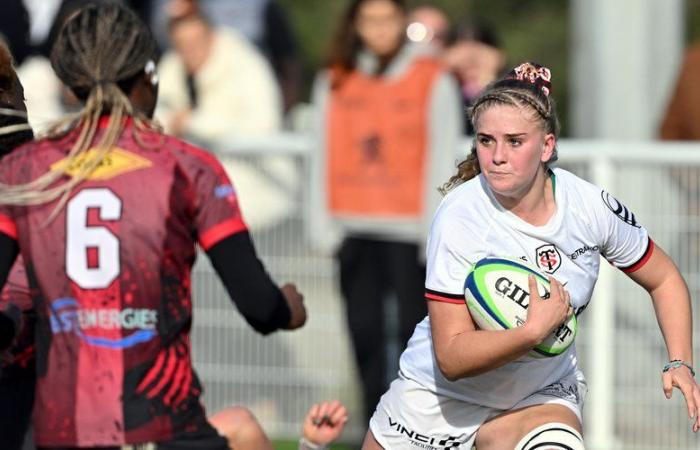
(499, 154)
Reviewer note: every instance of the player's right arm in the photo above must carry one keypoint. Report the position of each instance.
(462, 350)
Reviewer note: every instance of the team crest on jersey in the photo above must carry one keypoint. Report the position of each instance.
(548, 258)
(117, 162)
(619, 209)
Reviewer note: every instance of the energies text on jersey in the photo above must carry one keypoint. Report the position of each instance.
(470, 224)
(112, 276)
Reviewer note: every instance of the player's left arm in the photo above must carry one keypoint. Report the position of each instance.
(671, 299)
(10, 318)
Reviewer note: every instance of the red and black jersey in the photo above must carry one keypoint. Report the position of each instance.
(110, 279)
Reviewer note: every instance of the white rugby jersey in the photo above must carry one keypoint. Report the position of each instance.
(470, 224)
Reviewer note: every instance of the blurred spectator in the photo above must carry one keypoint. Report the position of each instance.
(42, 15)
(682, 119)
(46, 98)
(262, 22)
(388, 127)
(14, 28)
(474, 55)
(214, 84)
(429, 25)
(215, 87)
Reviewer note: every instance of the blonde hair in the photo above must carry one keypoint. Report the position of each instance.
(507, 92)
(87, 59)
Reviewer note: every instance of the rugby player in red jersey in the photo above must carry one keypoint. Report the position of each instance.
(17, 365)
(107, 212)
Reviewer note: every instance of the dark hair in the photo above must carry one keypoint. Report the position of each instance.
(99, 53)
(527, 86)
(7, 71)
(476, 30)
(346, 42)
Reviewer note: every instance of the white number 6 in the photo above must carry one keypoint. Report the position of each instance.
(81, 237)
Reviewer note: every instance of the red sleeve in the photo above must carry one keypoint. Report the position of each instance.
(642, 259)
(7, 226)
(217, 212)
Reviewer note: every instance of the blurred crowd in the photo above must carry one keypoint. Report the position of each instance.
(251, 41)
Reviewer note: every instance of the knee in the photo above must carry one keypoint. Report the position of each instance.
(555, 435)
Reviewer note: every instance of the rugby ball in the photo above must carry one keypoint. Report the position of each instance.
(496, 291)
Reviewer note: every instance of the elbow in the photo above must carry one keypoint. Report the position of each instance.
(454, 368)
(448, 369)
(450, 375)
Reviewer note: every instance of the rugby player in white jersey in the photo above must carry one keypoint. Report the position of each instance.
(459, 386)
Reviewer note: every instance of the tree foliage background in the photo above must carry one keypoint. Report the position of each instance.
(536, 30)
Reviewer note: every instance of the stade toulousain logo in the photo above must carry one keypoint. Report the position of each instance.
(548, 258)
(620, 210)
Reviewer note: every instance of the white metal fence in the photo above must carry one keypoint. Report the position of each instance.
(620, 346)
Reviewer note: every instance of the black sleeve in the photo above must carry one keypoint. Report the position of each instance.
(255, 294)
(9, 323)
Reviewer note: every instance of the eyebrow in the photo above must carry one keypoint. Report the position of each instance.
(508, 135)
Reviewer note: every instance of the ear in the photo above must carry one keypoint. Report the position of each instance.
(548, 146)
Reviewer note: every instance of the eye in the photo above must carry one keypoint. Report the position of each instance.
(484, 140)
(515, 142)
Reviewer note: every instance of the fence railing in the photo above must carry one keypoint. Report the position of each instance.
(620, 346)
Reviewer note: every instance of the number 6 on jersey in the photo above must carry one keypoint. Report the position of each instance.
(82, 238)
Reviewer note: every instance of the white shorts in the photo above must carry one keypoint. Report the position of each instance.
(411, 417)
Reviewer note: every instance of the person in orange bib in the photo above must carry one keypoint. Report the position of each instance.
(388, 118)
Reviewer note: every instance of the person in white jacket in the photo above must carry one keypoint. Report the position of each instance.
(215, 84)
(217, 88)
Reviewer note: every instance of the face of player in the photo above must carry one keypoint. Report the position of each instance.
(380, 25)
(512, 148)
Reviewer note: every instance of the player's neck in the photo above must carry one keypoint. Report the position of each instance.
(537, 205)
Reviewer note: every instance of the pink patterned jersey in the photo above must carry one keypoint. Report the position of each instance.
(110, 281)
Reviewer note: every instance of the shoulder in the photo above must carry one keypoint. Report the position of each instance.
(231, 44)
(33, 150)
(574, 184)
(586, 201)
(183, 150)
(462, 207)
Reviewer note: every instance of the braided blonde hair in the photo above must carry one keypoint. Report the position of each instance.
(98, 54)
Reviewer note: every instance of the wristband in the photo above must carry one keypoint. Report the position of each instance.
(305, 444)
(678, 363)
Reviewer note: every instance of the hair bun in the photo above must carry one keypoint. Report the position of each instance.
(533, 73)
